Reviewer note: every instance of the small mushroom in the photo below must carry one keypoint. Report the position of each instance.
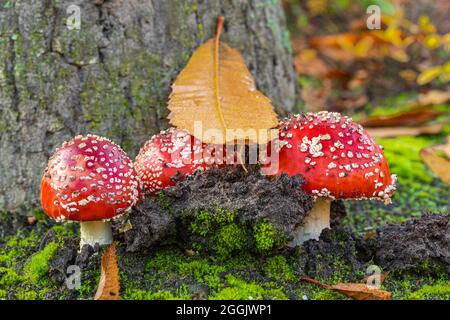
(170, 156)
(89, 179)
(338, 160)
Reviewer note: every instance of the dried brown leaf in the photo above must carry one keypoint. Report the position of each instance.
(217, 90)
(437, 158)
(433, 97)
(387, 132)
(109, 285)
(356, 291)
(307, 63)
(360, 291)
(413, 117)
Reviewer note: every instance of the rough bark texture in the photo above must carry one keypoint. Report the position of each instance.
(112, 77)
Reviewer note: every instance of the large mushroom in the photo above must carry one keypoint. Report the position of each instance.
(170, 156)
(89, 179)
(337, 158)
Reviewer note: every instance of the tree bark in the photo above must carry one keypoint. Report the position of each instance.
(112, 76)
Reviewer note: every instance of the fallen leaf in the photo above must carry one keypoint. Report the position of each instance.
(359, 291)
(109, 285)
(386, 132)
(349, 46)
(356, 291)
(437, 158)
(412, 117)
(217, 91)
(307, 63)
(429, 75)
(433, 97)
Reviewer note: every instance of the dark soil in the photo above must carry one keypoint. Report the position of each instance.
(417, 245)
(279, 201)
(166, 219)
(148, 225)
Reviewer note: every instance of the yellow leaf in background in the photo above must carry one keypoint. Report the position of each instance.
(316, 7)
(408, 75)
(217, 90)
(429, 75)
(109, 285)
(445, 77)
(425, 25)
(446, 41)
(432, 41)
(345, 43)
(446, 67)
(399, 54)
(363, 46)
(393, 35)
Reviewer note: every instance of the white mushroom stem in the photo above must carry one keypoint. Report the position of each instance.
(93, 232)
(317, 220)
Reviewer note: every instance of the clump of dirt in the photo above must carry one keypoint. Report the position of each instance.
(147, 226)
(337, 252)
(416, 245)
(251, 198)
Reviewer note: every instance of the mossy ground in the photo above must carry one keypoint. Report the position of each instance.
(229, 272)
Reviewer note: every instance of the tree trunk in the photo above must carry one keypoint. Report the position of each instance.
(112, 76)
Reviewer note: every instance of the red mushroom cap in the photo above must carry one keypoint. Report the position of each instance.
(171, 153)
(89, 178)
(335, 155)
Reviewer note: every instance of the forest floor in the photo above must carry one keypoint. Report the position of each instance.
(238, 260)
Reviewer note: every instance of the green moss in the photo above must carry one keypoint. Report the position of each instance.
(145, 295)
(3, 294)
(266, 237)
(220, 231)
(203, 272)
(9, 277)
(327, 295)
(27, 295)
(206, 222)
(438, 291)
(277, 267)
(65, 230)
(238, 289)
(165, 261)
(8, 258)
(231, 238)
(37, 269)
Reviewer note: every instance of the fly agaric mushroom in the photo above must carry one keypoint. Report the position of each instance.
(338, 160)
(171, 155)
(89, 179)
